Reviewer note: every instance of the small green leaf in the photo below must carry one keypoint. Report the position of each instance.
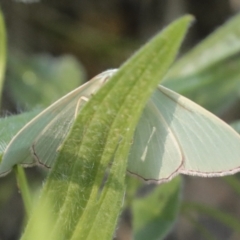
(155, 214)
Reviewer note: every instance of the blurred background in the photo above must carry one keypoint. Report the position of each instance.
(55, 46)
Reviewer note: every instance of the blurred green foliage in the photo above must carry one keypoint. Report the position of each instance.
(42, 78)
(154, 214)
(3, 50)
(214, 83)
(209, 73)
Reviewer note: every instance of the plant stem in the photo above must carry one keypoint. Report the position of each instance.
(24, 188)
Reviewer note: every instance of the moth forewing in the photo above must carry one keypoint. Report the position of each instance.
(38, 141)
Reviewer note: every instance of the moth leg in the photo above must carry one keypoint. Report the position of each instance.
(85, 99)
(79, 103)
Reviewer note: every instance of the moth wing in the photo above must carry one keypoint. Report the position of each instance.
(209, 145)
(39, 140)
(199, 143)
(155, 153)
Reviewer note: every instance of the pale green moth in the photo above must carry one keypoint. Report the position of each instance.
(174, 135)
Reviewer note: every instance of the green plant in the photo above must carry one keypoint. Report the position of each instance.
(77, 200)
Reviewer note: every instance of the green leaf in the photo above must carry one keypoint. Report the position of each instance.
(42, 222)
(220, 80)
(103, 130)
(210, 69)
(2, 52)
(155, 214)
(227, 219)
(221, 44)
(42, 79)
